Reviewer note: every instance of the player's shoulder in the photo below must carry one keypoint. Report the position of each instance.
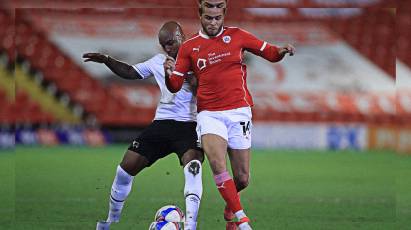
(234, 30)
(158, 59)
(193, 39)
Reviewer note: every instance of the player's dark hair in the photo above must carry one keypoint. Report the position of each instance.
(200, 7)
(200, 1)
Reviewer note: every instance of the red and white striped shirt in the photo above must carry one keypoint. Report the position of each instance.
(217, 62)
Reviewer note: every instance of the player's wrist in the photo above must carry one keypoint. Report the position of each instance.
(282, 51)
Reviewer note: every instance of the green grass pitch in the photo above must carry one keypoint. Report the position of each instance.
(68, 188)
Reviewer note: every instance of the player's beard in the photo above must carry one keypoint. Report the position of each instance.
(212, 34)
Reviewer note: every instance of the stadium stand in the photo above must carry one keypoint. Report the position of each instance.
(56, 68)
(373, 34)
(7, 35)
(46, 100)
(403, 28)
(193, 3)
(16, 105)
(356, 27)
(22, 110)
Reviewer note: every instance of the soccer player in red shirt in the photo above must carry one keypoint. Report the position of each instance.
(224, 103)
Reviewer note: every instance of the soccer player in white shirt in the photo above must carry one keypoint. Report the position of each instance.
(172, 130)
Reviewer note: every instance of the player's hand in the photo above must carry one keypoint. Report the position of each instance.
(287, 49)
(169, 65)
(95, 57)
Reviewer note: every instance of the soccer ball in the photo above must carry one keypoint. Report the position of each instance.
(169, 213)
(164, 225)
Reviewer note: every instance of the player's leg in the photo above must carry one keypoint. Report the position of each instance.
(129, 167)
(193, 187)
(191, 157)
(215, 148)
(213, 130)
(239, 143)
(239, 159)
(141, 153)
(240, 166)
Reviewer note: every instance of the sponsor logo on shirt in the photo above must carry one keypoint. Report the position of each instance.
(215, 58)
(201, 63)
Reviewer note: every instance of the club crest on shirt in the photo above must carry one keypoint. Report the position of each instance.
(227, 39)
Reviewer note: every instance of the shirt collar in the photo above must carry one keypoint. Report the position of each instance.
(203, 35)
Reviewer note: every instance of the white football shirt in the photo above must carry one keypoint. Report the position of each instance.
(180, 106)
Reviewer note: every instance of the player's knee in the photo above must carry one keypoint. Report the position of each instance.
(217, 166)
(242, 181)
(127, 167)
(192, 155)
(133, 162)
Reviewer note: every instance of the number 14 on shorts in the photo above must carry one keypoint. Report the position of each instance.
(246, 128)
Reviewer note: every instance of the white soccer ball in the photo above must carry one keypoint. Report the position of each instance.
(169, 213)
(164, 225)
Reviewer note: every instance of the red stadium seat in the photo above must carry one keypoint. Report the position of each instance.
(370, 33)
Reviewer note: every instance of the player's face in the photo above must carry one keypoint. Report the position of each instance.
(212, 20)
(171, 42)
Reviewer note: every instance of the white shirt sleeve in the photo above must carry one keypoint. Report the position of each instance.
(146, 69)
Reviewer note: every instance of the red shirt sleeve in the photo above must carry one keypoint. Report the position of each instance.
(259, 47)
(183, 65)
(174, 83)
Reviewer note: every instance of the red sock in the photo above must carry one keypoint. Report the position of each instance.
(228, 191)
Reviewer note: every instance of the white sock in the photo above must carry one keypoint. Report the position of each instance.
(193, 190)
(240, 214)
(243, 226)
(119, 191)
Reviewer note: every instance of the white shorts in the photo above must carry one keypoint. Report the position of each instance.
(233, 125)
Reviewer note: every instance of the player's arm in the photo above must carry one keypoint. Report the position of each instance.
(175, 71)
(173, 81)
(264, 49)
(192, 80)
(120, 68)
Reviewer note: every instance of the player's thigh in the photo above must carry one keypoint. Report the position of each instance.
(133, 162)
(215, 148)
(185, 142)
(153, 143)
